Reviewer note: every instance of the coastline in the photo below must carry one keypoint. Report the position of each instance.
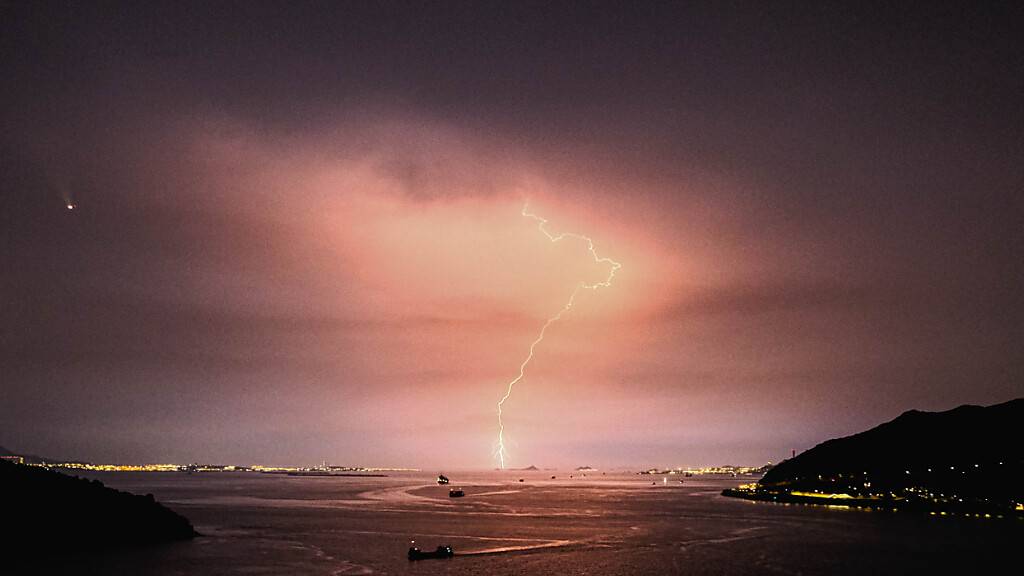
(880, 503)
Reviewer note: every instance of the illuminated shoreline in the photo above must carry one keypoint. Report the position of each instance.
(189, 468)
(908, 501)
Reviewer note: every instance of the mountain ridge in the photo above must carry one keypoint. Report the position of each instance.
(966, 457)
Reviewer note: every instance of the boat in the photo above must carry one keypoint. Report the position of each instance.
(442, 479)
(456, 493)
(440, 552)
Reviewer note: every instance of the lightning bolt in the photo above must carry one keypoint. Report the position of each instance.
(554, 238)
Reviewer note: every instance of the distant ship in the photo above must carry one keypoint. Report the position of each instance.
(440, 552)
(456, 493)
(442, 479)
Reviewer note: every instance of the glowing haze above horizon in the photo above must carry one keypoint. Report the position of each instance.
(254, 234)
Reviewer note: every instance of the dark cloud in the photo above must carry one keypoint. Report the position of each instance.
(833, 193)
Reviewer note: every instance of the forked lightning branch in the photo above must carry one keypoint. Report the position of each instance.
(554, 238)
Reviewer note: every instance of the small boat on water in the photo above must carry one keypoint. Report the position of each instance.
(442, 479)
(456, 493)
(440, 552)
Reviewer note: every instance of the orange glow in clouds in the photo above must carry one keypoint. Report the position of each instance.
(462, 286)
(424, 305)
(470, 282)
(613, 268)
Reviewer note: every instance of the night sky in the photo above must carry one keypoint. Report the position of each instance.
(296, 231)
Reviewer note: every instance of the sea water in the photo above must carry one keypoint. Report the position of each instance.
(601, 523)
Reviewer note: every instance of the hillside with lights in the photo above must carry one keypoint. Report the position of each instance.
(965, 460)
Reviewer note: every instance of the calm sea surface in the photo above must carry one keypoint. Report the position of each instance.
(601, 524)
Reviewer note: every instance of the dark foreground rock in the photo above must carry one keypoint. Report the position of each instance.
(63, 513)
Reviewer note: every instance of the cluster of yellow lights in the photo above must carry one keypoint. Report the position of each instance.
(261, 468)
(501, 452)
(839, 496)
(115, 467)
(708, 470)
(205, 468)
(966, 514)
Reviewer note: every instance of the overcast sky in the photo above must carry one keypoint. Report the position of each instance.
(297, 231)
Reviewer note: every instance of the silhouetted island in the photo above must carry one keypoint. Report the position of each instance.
(967, 460)
(66, 513)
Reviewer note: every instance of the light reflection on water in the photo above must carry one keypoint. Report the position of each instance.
(613, 524)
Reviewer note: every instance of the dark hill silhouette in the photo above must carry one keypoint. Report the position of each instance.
(65, 513)
(967, 457)
(29, 458)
